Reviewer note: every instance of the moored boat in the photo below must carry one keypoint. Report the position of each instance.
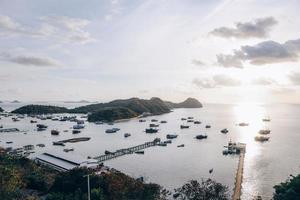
(184, 126)
(225, 130)
(151, 130)
(200, 137)
(171, 136)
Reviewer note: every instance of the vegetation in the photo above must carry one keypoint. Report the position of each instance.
(1, 109)
(154, 105)
(20, 175)
(111, 114)
(188, 103)
(206, 190)
(288, 190)
(40, 109)
(21, 178)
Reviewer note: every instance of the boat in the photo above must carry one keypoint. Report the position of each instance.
(261, 138)
(181, 145)
(40, 145)
(190, 117)
(9, 142)
(208, 126)
(106, 152)
(41, 126)
(163, 122)
(151, 130)
(267, 119)
(184, 126)
(197, 122)
(58, 143)
(168, 142)
(110, 131)
(154, 120)
(33, 121)
(190, 120)
(76, 131)
(162, 144)
(41, 129)
(54, 132)
(67, 150)
(183, 119)
(171, 136)
(78, 126)
(127, 135)
(153, 125)
(264, 132)
(99, 123)
(142, 120)
(139, 152)
(225, 130)
(211, 170)
(115, 129)
(200, 137)
(243, 124)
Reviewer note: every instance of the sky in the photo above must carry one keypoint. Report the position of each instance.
(218, 51)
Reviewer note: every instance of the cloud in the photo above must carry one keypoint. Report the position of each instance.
(198, 62)
(30, 60)
(263, 81)
(58, 28)
(267, 52)
(295, 78)
(258, 28)
(217, 80)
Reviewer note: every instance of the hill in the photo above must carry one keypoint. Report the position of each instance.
(154, 105)
(188, 103)
(111, 114)
(40, 109)
(1, 109)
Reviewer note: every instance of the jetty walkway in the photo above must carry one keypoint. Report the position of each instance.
(129, 150)
(239, 174)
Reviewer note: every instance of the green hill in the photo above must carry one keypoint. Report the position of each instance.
(111, 114)
(188, 103)
(40, 109)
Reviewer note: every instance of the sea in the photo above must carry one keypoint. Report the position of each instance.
(266, 163)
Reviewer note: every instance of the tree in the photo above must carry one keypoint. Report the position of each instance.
(288, 190)
(206, 190)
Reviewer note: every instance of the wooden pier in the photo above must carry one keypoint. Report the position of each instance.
(239, 174)
(129, 150)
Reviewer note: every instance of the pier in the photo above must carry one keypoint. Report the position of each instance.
(129, 150)
(239, 174)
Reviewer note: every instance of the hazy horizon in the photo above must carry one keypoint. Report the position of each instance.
(220, 51)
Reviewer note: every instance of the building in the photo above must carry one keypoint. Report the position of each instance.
(64, 162)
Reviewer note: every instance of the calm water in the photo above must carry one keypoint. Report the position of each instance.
(266, 164)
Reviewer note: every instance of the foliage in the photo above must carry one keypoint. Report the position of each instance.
(18, 174)
(288, 190)
(111, 114)
(206, 190)
(40, 109)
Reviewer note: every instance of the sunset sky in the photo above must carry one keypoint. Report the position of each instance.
(219, 51)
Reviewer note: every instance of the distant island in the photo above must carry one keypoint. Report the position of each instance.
(114, 110)
(1, 109)
(81, 101)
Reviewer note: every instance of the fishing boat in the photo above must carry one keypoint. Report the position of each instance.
(225, 130)
(163, 122)
(190, 120)
(151, 130)
(183, 119)
(162, 144)
(243, 124)
(264, 132)
(190, 117)
(154, 120)
(181, 145)
(211, 170)
(139, 152)
(33, 121)
(197, 122)
(153, 125)
(142, 120)
(58, 143)
(76, 131)
(40, 145)
(261, 138)
(78, 126)
(267, 119)
(200, 137)
(171, 136)
(54, 132)
(110, 131)
(208, 126)
(127, 135)
(67, 150)
(184, 126)
(41, 126)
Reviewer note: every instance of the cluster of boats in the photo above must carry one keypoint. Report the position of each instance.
(262, 134)
(232, 148)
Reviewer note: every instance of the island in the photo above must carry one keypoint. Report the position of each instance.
(114, 110)
(15, 101)
(40, 109)
(1, 109)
